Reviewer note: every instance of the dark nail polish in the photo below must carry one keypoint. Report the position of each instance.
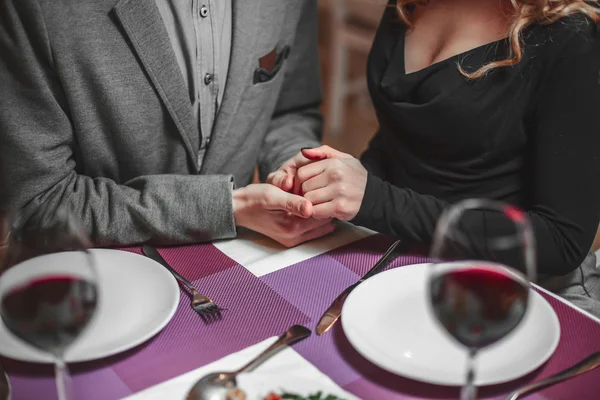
(306, 148)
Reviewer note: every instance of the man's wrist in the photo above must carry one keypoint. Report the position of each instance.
(239, 203)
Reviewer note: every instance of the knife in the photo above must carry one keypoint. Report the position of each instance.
(4, 385)
(334, 311)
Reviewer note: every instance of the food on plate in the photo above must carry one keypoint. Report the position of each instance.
(293, 396)
(238, 394)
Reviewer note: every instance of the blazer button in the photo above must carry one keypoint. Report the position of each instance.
(208, 78)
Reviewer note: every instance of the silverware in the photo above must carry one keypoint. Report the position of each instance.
(4, 385)
(334, 311)
(216, 385)
(203, 305)
(586, 365)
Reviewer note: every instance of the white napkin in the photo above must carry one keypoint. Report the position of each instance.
(261, 255)
(286, 370)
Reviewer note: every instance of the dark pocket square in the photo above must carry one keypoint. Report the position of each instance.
(270, 64)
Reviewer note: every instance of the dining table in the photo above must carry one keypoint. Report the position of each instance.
(264, 288)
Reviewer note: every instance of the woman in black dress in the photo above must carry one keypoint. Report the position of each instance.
(496, 99)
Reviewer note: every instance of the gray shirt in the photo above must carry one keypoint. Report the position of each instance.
(200, 32)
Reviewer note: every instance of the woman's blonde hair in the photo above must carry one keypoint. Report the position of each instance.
(525, 13)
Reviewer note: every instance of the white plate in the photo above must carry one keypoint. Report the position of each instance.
(137, 298)
(387, 319)
(258, 385)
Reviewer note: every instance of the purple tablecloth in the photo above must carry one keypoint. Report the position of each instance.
(261, 307)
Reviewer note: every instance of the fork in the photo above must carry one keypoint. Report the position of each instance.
(203, 305)
(4, 385)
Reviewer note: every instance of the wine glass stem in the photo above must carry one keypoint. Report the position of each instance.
(469, 391)
(63, 380)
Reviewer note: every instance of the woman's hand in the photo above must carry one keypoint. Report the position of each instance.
(334, 183)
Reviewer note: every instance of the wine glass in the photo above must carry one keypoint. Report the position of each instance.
(48, 285)
(484, 259)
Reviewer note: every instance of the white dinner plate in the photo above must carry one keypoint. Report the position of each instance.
(258, 385)
(388, 320)
(137, 298)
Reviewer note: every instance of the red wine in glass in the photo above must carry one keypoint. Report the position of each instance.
(49, 312)
(478, 302)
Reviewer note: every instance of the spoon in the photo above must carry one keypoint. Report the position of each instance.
(586, 365)
(216, 385)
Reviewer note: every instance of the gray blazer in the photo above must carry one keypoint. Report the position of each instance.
(94, 114)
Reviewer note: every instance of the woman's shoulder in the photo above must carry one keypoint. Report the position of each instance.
(571, 35)
(565, 52)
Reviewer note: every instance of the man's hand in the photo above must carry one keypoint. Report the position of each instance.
(334, 182)
(281, 216)
(285, 177)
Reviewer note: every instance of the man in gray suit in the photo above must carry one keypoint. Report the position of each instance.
(147, 117)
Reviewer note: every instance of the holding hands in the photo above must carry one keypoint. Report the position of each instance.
(282, 216)
(333, 182)
(301, 198)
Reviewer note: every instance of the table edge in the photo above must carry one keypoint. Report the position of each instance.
(568, 303)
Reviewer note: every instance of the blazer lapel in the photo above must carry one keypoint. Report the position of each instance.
(246, 17)
(145, 28)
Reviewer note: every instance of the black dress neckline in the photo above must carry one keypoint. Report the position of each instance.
(445, 61)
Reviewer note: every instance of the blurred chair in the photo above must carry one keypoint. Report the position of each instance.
(352, 25)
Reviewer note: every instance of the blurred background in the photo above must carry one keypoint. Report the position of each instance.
(346, 30)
